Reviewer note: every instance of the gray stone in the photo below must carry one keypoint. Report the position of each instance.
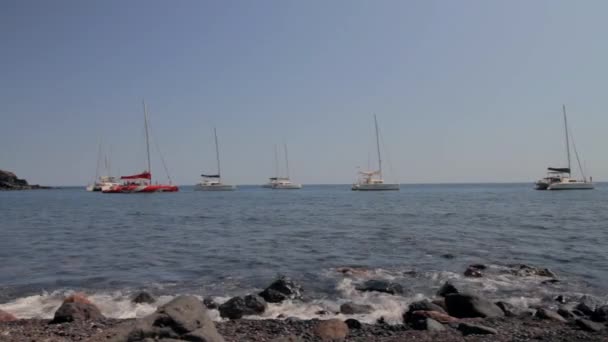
(446, 289)
(475, 329)
(282, 289)
(238, 307)
(589, 326)
(543, 313)
(143, 297)
(381, 286)
(433, 325)
(584, 308)
(565, 313)
(355, 309)
(75, 311)
(353, 323)
(508, 309)
(467, 305)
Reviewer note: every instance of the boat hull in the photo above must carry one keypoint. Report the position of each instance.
(133, 189)
(571, 186)
(93, 188)
(287, 186)
(375, 187)
(220, 187)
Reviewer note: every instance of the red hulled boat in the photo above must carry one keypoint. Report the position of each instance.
(140, 183)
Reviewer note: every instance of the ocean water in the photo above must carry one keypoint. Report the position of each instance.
(221, 244)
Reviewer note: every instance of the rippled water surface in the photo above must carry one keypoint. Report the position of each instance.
(227, 243)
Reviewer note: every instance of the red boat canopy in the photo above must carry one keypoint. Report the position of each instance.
(143, 175)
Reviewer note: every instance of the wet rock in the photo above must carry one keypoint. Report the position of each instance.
(238, 307)
(381, 286)
(524, 270)
(355, 309)
(76, 311)
(183, 318)
(6, 317)
(331, 330)
(446, 289)
(353, 323)
(474, 271)
(543, 313)
(475, 329)
(420, 306)
(467, 305)
(280, 290)
(565, 313)
(508, 309)
(584, 308)
(589, 326)
(77, 298)
(437, 316)
(433, 325)
(600, 314)
(210, 303)
(143, 297)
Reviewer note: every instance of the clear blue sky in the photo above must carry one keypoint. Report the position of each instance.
(465, 91)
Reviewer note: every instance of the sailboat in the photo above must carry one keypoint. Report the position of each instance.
(281, 183)
(560, 178)
(142, 182)
(372, 180)
(214, 182)
(102, 181)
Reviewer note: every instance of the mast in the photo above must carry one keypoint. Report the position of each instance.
(378, 147)
(217, 155)
(98, 162)
(567, 140)
(286, 160)
(276, 161)
(147, 139)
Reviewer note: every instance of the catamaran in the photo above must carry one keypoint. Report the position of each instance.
(278, 182)
(214, 182)
(372, 180)
(142, 182)
(102, 181)
(560, 178)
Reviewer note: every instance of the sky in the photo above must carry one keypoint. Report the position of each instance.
(464, 91)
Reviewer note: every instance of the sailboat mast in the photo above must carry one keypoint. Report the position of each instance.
(217, 154)
(276, 161)
(378, 146)
(98, 162)
(567, 140)
(286, 160)
(147, 139)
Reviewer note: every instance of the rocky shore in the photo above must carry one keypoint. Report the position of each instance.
(453, 314)
(9, 181)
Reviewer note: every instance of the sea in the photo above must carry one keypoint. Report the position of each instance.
(223, 244)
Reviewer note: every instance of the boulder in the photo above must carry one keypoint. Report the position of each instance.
(589, 326)
(238, 307)
(6, 317)
(282, 289)
(600, 314)
(381, 286)
(433, 325)
(77, 297)
(331, 330)
(419, 307)
(351, 308)
(75, 311)
(523, 270)
(474, 271)
(584, 308)
(543, 313)
(353, 323)
(183, 318)
(437, 316)
(143, 297)
(446, 289)
(475, 329)
(467, 305)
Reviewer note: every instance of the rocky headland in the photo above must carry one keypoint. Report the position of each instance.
(452, 314)
(10, 181)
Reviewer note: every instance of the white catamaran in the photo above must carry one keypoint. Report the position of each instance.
(278, 182)
(214, 182)
(560, 178)
(372, 180)
(102, 181)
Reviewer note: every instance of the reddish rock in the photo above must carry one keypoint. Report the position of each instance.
(331, 330)
(78, 298)
(438, 316)
(6, 317)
